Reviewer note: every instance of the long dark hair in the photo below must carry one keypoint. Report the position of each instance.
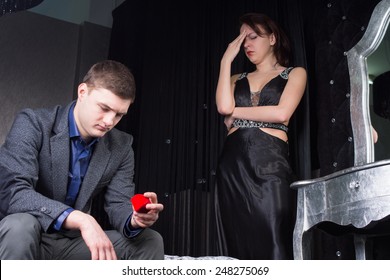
(282, 48)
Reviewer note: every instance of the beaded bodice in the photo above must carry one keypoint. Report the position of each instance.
(268, 95)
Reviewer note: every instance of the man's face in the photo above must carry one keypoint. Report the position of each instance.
(97, 111)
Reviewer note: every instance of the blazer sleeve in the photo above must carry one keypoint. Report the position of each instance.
(19, 164)
(7, 179)
(121, 187)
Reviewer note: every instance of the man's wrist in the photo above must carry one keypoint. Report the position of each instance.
(131, 231)
(133, 223)
(60, 220)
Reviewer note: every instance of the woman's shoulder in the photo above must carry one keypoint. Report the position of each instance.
(296, 69)
(234, 78)
(239, 76)
(296, 72)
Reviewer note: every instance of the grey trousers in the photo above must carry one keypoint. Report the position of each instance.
(21, 238)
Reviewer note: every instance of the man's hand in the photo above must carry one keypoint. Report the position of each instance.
(96, 239)
(144, 220)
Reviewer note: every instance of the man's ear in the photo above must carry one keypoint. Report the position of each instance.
(82, 90)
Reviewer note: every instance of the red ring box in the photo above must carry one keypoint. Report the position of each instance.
(139, 202)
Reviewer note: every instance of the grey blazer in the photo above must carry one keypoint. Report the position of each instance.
(34, 166)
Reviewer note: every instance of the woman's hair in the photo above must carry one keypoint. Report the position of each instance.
(113, 76)
(268, 26)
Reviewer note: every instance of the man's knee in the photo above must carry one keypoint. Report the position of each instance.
(20, 222)
(19, 236)
(155, 238)
(154, 243)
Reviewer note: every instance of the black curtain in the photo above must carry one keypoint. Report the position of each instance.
(174, 50)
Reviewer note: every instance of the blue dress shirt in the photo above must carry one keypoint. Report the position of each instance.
(81, 153)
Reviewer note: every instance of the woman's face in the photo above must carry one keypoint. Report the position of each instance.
(257, 48)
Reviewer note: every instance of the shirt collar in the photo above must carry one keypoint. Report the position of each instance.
(73, 130)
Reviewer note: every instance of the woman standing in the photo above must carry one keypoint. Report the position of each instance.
(255, 205)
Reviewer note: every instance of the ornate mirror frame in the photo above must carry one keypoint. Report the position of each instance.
(357, 66)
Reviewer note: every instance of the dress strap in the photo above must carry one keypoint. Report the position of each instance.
(285, 72)
(242, 75)
(247, 123)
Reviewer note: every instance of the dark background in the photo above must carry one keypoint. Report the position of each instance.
(174, 49)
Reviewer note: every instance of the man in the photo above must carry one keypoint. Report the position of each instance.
(55, 161)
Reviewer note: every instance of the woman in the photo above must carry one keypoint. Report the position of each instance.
(255, 205)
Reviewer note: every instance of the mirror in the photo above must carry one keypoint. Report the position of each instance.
(360, 86)
(378, 67)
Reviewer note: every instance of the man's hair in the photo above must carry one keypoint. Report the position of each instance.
(113, 76)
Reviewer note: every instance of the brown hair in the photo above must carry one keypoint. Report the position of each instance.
(282, 46)
(114, 76)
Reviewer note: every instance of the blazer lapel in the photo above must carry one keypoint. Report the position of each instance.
(60, 163)
(99, 161)
(60, 155)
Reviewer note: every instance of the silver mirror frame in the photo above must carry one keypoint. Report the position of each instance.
(357, 66)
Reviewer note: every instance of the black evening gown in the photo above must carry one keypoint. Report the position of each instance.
(255, 206)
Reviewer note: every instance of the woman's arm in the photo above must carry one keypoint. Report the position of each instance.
(225, 87)
(289, 101)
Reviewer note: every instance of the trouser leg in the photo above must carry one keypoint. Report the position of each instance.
(148, 245)
(20, 236)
